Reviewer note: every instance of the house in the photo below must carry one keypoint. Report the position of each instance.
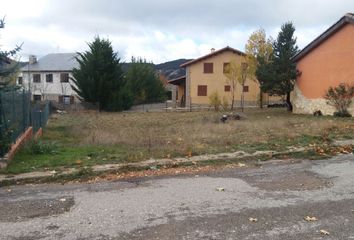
(326, 62)
(49, 78)
(206, 75)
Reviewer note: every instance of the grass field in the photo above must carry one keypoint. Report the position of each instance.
(87, 138)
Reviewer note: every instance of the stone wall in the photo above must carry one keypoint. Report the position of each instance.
(303, 105)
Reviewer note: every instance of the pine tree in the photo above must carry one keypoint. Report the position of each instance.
(100, 78)
(6, 65)
(144, 83)
(278, 76)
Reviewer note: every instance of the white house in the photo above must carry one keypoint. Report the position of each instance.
(49, 77)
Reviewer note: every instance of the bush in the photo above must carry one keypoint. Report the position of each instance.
(214, 101)
(342, 114)
(38, 147)
(340, 97)
(225, 104)
(5, 142)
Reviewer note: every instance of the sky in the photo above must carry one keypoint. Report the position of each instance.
(158, 30)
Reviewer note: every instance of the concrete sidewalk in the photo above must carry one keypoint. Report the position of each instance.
(152, 163)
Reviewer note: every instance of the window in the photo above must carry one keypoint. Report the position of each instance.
(202, 90)
(66, 99)
(226, 68)
(20, 80)
(36, 78)
(37, 97)
(49, 78)
(227, 88)
(64, 77)
(208, 67)
(245, 88)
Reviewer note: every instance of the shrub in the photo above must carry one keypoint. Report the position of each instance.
(342, 114)
(38, 147)
(340, 97)
(225, 103)
(5, 142)
(214, 101)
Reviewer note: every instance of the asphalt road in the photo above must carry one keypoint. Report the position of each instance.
(276, 197)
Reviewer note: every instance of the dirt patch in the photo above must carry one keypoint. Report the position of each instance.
(296, 181)
(15, 211)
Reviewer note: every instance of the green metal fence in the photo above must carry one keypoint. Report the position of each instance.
(39, 115)
(17, 112)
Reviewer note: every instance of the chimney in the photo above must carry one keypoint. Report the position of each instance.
(212, 50)
(32, 59)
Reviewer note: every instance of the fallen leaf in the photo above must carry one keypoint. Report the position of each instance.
(241, 165)
(253, 219)
(78, 162)
(220, 189)
(62, 200)
(9, 190)
(310, 219)
(324, 232)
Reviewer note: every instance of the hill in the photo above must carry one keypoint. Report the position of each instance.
(171, 69)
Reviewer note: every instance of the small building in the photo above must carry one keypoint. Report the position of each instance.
(206, 75)
(49, 78)
(326, 62)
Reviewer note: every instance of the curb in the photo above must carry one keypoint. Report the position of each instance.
(152, 163)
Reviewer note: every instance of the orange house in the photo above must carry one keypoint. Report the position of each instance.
(326, 62)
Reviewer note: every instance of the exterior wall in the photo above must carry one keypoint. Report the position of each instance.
(173, 89)
(329, 64)
(188, 97)
(216, 81)
(49, 90)
(303, 105)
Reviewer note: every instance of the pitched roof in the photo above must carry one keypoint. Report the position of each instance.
(213, 54)
(54, 62)
(346, 19)
(178, 81)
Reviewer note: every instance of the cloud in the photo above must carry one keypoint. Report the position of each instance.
(159, 30)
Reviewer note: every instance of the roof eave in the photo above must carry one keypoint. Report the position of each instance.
(348, 18)
(211, 55)
(177, 81)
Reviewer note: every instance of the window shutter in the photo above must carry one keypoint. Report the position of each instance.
(61, 99)
(245, 88)
(202, 90)
(208, 67)
(72, 99)
(64, 77)
(227, 88)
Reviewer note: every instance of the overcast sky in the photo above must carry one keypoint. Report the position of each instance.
(159, 30)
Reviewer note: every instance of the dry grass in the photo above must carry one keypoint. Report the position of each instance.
(197, 132)
(88, 138)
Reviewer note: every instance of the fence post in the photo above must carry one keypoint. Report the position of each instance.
(23, 111)
(13, 111)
